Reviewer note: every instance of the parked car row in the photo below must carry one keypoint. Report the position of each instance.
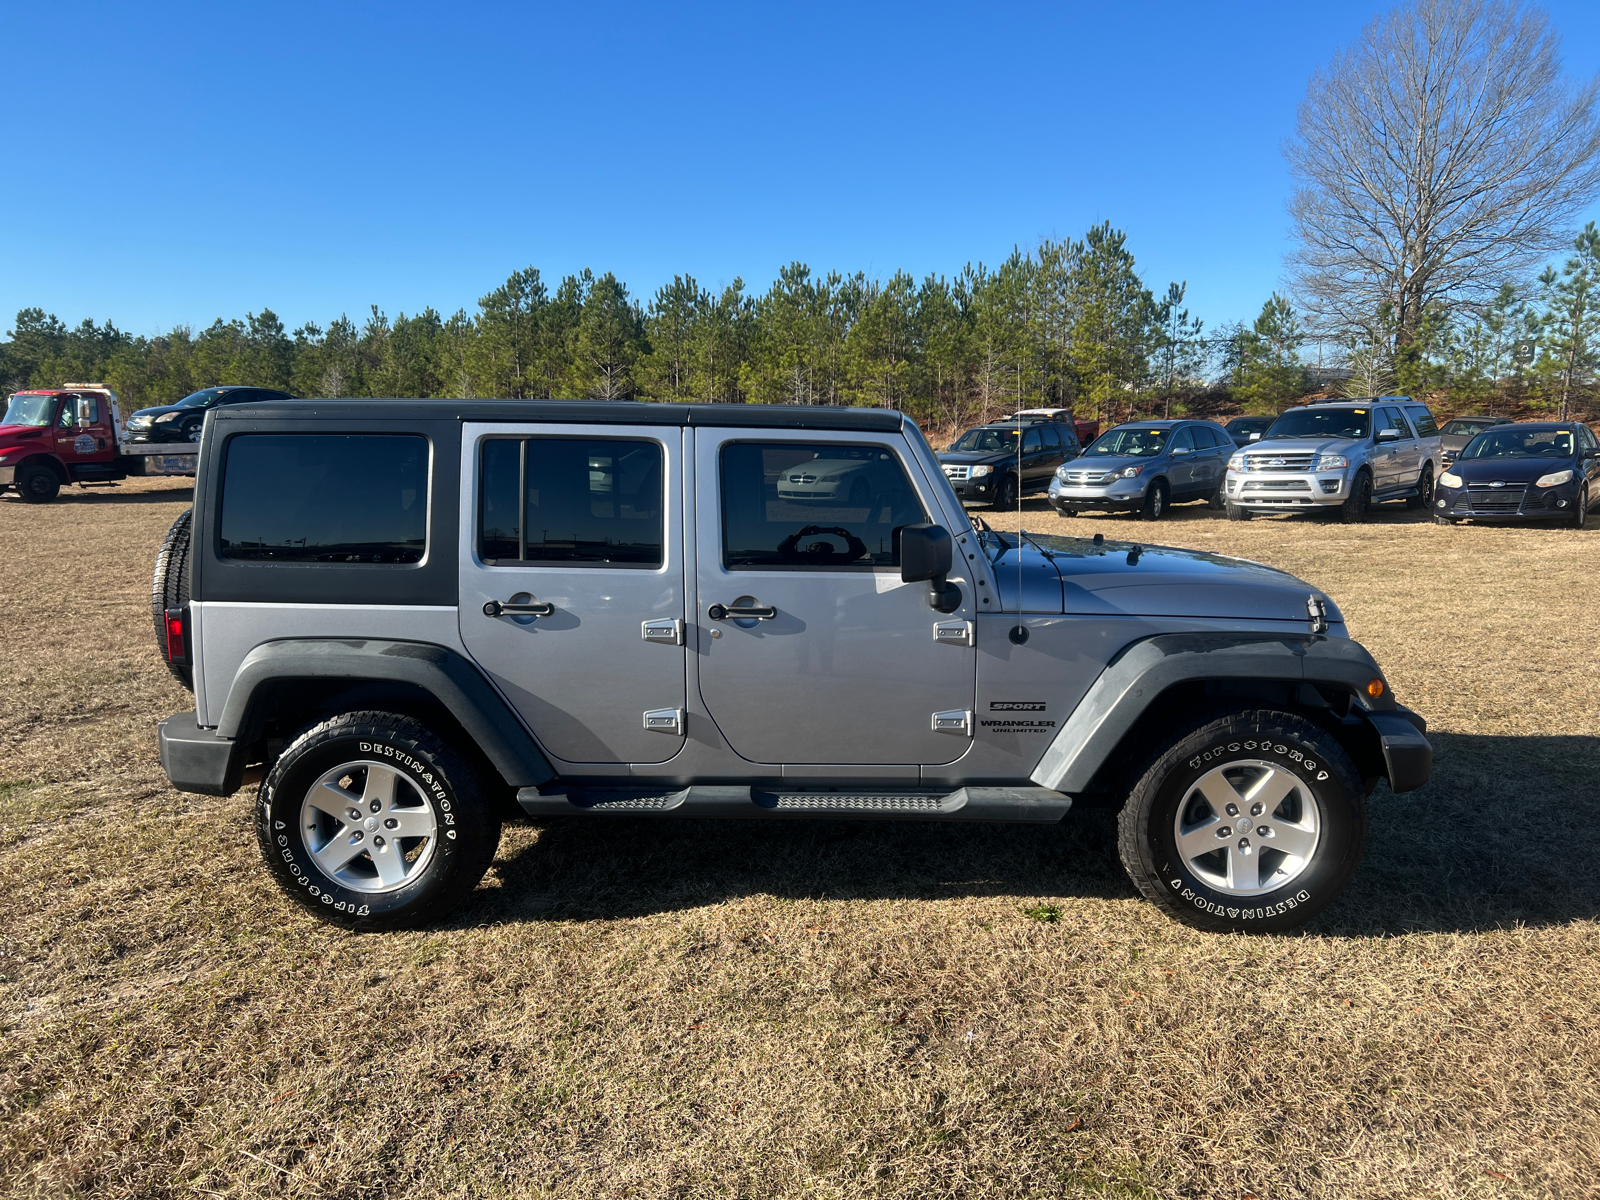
(1340, 458)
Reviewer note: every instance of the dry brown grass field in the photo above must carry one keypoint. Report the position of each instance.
(830, 1010)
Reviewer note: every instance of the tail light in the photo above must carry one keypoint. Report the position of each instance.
(178, 635)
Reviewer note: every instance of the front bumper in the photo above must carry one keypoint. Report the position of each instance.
(1285, 492)
(1407, 753)
(1124, 495)
(8, 476)
(197, 760)
(974, 491)
(1519, 502)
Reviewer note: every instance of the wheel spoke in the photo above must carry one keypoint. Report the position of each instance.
(1219, 793)
(334, 800)
(1202, 839)
(391, 870)
(1294, 840)
(380, 786)
(333, 857)
(1270, 790)
(414, 822)
(1244, 870)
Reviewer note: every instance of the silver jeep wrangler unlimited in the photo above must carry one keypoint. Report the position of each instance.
(419, 616)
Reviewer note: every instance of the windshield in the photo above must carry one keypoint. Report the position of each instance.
(1467, 427)
(986, 441)
(1521, 443)
(1130, 443)
(1248, 424)
(29, 410)
(202, 399)
(1351, 423)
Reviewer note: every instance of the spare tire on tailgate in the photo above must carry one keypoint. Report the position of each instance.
(170, 588)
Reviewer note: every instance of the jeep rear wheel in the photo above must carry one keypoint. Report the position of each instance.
(170, 587)
(38, 485)
(1251, 821)
(372, 822)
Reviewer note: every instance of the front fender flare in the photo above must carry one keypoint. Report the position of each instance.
(1141, 672)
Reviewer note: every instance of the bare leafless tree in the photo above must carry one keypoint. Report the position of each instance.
(1440, 154)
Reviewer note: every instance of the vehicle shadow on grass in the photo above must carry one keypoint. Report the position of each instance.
(1507, 833)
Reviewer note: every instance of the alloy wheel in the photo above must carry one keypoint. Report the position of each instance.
(1248, 827)
(368, 827)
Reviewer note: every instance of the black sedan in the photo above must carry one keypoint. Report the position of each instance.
(181, 422)
(1528, 471)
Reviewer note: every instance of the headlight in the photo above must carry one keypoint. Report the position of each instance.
(1236, 463)
(172, 416)
(1128, 472)
(1553, 479)
(1061, 474)
(1449, 479)
(1332, 462)
(832, 478)
(980, 472)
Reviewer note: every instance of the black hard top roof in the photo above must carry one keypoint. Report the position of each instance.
(576, 412)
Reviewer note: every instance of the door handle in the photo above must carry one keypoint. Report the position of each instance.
(741, 612)
(533, 608)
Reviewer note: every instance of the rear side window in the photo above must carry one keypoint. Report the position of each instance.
(1423, 420)
(1052, 439)
(325, 498)
(800, 505)
(570, 500)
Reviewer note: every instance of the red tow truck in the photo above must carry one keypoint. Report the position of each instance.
(50, 437)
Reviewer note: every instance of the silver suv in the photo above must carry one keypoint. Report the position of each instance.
(1144, 466)
(416, 618)
(1342, 457)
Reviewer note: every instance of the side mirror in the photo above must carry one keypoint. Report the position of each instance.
(1388, 435)
(1255, 437)
(926, 554)
(1177, 450)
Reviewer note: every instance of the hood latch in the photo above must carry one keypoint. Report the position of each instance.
(1317, 611)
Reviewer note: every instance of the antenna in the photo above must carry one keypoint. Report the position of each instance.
(1019, 632)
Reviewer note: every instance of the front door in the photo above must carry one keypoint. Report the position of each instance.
(572, 584)
(83, 431)
(841, 665)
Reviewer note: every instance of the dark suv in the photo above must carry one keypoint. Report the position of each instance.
(984, 467)
(181, 422)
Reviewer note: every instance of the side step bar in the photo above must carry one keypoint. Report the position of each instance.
(702, 800)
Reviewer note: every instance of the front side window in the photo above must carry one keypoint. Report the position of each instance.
(799, 505)
(325, 498)
(1351, 424)
(554, 501)
(986, 441)
(1183, 439)
(1394, 419)
(1032, 443)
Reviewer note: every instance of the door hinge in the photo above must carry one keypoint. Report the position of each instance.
(668, 631)
(957, 720)
(953, 633)
(664, 720)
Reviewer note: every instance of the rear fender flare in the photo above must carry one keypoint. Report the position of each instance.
(442, 673)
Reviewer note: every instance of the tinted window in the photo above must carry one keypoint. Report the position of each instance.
(990, 441)
(796, 505)
(583, 500)
(1031, 442)
(332, 498)
(1052, 439)
(1393, 419)
(1423, 420)
(1212, 437)
(1183, 438)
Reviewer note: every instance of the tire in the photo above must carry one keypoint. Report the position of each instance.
(385, 764)
(170, 588)
(1424, 496)
(1066, 512)
(1155, 501)
(1167, 823)
(1238, 512)
(1007, 494)
(1581, 514)
(192, 430)
(1354, 509)
(1217, 501)
(38, 485)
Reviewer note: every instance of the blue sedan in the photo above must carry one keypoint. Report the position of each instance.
(1529, 471)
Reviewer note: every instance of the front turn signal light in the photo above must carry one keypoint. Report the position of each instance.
(1375, 688)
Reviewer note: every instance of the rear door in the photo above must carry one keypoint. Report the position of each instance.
(846, 666)
(585, 529)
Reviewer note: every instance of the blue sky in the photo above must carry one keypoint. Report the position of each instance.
(171, 164)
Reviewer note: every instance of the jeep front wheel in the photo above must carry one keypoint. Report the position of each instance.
(1250, 822)
(372, 822)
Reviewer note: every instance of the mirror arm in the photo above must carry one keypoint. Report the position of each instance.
(943, 596)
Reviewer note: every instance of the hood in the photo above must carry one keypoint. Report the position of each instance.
(974, 456)
(1113, 462)
(13, 433)
(160, 409)
(1306, 445)
(1158, 581)
(1509, 470)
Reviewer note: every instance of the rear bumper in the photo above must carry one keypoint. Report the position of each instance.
(197, 760)
(1407, 753)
